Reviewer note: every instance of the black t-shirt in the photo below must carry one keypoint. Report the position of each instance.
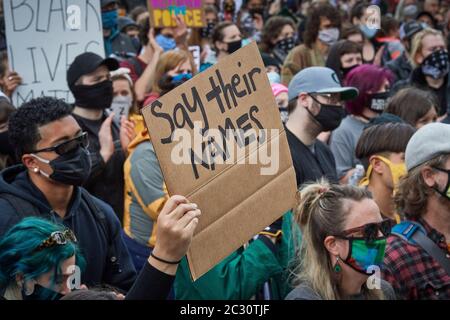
(311, 162)
(106, 180)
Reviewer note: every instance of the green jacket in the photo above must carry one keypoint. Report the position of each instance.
(242, 274)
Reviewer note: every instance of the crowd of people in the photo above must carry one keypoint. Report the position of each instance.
(366, 111)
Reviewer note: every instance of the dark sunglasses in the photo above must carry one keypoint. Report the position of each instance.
(370, 231)
(68, 146)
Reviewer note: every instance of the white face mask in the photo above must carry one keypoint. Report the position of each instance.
(274, 77)
(121, 105)
(329, 36)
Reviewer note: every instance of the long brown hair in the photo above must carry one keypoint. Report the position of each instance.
(321, 211)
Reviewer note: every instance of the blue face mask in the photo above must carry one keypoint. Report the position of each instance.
(109, 19)
(165, 42)
(274, 77)
(368, 32)
(182, 77)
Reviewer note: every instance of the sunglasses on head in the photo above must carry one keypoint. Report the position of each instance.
(57, 238)
(369, 231)
(68, 146)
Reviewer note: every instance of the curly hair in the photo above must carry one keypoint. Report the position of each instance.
(272, 29)
(313, 22)
(25, 122)
(412, 196)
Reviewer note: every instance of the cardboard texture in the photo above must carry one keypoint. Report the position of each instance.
(236, 199)
(162, 12)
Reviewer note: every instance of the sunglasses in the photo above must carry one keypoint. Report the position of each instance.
(370, 231)
(68, 146)
(57, 238)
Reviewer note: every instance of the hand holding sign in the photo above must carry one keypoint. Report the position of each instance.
(219, 141)
(11, 81)
(176, 225)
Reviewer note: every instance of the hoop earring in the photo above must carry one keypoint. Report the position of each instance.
(337, 268)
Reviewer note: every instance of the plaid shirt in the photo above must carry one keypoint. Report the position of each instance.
(412, 272)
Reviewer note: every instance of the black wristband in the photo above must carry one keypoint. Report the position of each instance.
(165, 261)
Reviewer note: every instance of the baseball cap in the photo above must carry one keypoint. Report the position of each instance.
(104, 3)
(410, 28)
(123, 22)
(319, 80)
(86, 63)
(427, 143)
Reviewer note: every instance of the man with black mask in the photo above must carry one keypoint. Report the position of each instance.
(88, 80)
(316, 100)
(55, 162)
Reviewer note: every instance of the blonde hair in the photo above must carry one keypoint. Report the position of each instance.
(321, 211)
(168, 61)
(417, 45)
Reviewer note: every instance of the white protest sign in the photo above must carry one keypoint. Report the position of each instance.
(44, 37)
(195, 51)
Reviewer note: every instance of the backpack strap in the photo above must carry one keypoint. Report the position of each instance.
(100, 217)
(22, 208)
(415, 233)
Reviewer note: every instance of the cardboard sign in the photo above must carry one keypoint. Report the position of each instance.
(195, 51)
(220, 142)
(162, 13)
(44, 37)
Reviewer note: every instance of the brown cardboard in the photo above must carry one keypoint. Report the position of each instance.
(236, 200)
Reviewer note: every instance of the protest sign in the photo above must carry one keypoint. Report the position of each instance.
(220, 142)
(195, 51)
(44, 37)
(162, 13)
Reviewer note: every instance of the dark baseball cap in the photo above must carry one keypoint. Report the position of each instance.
(104, 3)
(123, 22)
(410, 28)
(86, 63)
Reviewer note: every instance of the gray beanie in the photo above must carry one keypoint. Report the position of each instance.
(427, 143)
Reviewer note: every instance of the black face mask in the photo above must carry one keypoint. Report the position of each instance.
(254, 11)
(286, 44)
(234, 46)
(329, 117)
(72, 168)
(436, 65)
(345, 71)
(229, 7)
(97, 96)
(446, 192)
(5, 147)
(378, 101)
(42, 293)
(206, 32)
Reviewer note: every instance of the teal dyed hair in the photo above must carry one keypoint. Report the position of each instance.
(18, 255)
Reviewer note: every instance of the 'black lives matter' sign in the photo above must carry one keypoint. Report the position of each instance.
(44, 37)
